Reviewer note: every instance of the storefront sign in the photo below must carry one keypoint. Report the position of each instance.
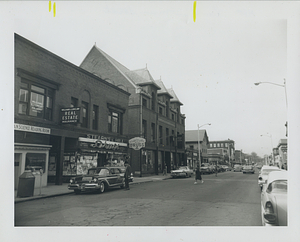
(105, 145)
(29, 128)
(101, 144)
(70, 115)
(137, 143)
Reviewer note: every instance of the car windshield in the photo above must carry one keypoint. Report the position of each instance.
(279, 186)
(266, 172)
(247, 167)
(182, 168)
(100, 172)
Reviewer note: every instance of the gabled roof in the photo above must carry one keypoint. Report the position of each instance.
(163, 90)
(142, 77)
(175, 98)
(192, 135)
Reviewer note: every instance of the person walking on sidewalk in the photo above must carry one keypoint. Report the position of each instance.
(198, 175)
(165, 171)
(127, 175)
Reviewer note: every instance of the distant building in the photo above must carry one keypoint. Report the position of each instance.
(191, 145)
(280, 154)
(222, 150)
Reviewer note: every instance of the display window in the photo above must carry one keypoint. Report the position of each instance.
(85, 162)
(35, 160)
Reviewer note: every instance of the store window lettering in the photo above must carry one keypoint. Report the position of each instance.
(99, 144)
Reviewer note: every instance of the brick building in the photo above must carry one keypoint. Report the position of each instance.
(66, 119)
(225, 149)
(153, 112)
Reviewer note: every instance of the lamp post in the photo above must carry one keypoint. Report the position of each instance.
(270, 136)
(280, 85)
(199, 142)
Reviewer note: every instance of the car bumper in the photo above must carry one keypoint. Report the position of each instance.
(178, 174)
(250, 171)
(84, 187)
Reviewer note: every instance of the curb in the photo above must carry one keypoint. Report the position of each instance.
(70, 192)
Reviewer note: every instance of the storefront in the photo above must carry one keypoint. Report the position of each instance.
(31, 152)
(87, 152)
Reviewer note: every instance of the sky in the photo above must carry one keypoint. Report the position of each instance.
(211, 63)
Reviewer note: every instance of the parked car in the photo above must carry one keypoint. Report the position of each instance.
(248, 169)
(225, 168)
(263, 174)
(205, 168)
(97, 179)
(274, 199)
(237, 168)
(182, 171)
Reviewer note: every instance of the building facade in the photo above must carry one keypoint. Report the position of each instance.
(225, 149)
(192, 147)
(153, 113)
(66, 119)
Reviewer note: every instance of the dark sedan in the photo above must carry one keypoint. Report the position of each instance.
(97, 179)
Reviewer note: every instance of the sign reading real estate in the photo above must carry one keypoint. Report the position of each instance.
(70, 115)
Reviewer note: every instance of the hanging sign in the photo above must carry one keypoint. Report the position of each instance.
(70, 115)
(137, 143)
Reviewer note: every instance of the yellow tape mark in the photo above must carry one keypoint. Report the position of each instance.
(54, 9)
(195, 3)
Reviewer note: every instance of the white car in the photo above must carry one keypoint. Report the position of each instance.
(274, 199)
(182, 171)
(263, 174)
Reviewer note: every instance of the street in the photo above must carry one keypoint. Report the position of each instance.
(230, 199)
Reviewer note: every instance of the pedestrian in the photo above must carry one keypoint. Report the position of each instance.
(127, 175)
(198, 175)
(165, 171)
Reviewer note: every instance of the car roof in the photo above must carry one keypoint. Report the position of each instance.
(277, 175)
(269, 167)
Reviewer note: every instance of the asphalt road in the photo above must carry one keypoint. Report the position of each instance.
(230, 199)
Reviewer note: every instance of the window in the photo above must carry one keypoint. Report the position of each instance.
(153, 101)
(226, 145)
(115, 122)
(160, 110)
(144, 127)
(167, 109)
(222, 145)
(173, 116)
(36, 101)
(218, 145)
(215, 145)
(172, 138)
(144, 102)
(160, 135)
(85, 113)
(153, 132)
(74, 102)
(191, 147)
(95, 117)
(167, 136)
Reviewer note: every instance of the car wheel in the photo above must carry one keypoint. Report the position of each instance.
(77, 192)
(102, 187)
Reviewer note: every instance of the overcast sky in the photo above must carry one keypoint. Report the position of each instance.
(212, 63)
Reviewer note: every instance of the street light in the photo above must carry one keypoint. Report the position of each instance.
(270, 136)
(284, 85)
(199, 142)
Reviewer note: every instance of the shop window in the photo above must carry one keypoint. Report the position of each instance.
(95, 117)
(85, 114)
(115, 122)
(35, 101)
(35, 160)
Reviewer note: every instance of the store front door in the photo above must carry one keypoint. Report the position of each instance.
(101, 161)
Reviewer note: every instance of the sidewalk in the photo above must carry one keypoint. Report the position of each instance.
(58, 190)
